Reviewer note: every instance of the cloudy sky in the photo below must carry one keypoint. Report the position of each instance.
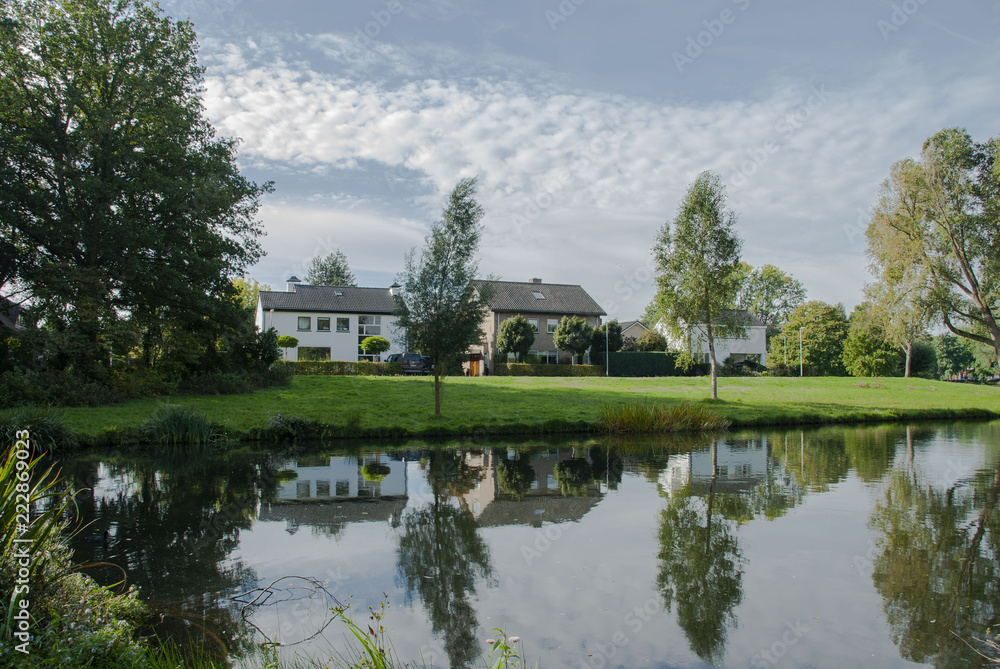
(585, 121)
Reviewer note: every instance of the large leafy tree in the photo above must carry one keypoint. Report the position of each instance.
(823, 328)
(867, 352)
(573, 334)
(608, 335)
(442, 309)
(770, 294)
(938, 218)
(331, 270)
(118, 197)
(516, 336)
(698, 266)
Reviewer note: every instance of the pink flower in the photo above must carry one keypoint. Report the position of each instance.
(514, 639)
(491, 641)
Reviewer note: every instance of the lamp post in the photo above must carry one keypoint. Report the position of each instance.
(607, 352)
(800, 350)
(786, 350)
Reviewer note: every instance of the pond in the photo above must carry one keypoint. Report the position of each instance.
(831, 547)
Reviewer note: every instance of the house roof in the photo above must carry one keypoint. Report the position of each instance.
(340, 299)
(556, 298)
(627, 324)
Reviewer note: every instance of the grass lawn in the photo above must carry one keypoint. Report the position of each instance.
(532, 405)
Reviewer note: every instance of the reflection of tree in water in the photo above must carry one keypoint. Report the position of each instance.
(573, 476)
(173, 531)
(937, 565)
(440, 555)
(515, 477)
(700, 568)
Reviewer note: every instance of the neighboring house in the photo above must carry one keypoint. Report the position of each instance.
(739, 348)
(633, 329)
(543, 305)
(330, 322)
(9, 313)
(737, 466)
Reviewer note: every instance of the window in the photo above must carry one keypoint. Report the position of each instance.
(533, 322)
(538, 294)
(322, 325)
(370, 325)
(551, 326)
(548, 357)
(322, 488)
(343, 488)
(343, 325)
(305, 324)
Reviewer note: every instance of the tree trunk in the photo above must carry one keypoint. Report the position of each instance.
(711, 361)
(909, 357)
(437, 387)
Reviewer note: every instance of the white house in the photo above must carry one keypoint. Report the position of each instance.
(739, 348)
(330, 322)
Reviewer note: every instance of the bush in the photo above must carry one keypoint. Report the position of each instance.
(178, 426)
(342, 368)
(637, 418)
(220, 383)
(503, 368)
(53, 388)
(641, 363)
(47, 429)
(651, 341)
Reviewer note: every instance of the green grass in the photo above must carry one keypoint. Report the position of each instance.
(494, 406)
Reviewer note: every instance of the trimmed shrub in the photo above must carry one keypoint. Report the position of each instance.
(642, 363)
(523, 369)
(342, 368)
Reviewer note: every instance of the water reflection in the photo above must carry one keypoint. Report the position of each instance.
(443, 516)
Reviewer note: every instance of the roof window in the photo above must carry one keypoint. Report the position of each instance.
(338, 293)
(538, 294)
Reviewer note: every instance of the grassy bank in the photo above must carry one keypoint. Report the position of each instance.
(403, 406)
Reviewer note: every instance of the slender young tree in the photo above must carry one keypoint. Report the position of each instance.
(698, 266)
(442, 309)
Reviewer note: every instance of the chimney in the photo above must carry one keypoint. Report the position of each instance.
(536, 281)
(291, 282)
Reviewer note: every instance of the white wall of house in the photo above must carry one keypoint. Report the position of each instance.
(755, 343)
(343, 345)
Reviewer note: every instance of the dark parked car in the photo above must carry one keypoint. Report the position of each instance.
(395, 357)
(414, 363)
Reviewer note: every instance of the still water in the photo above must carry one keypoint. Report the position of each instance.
(833, 547)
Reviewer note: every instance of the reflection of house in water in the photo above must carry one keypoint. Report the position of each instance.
(327, 493)
(543, 501)
(738, 467)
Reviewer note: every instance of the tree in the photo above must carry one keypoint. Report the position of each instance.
(286, 342)
(866, 350)
(651, 341)
(332, 270)
(573, 334)
(770, 295)
(954, 356)
(613, 339)
(120, 200)
(375, 345)
(939, 218)
(441, 309)
(516, 336)
(698, 266)
(247, 291)
(825, 330)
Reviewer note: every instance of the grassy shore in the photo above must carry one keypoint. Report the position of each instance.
(404, 406)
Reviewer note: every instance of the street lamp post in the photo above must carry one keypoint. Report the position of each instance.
(800, 351)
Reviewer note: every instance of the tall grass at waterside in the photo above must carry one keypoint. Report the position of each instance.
(47, 429)
(177, 426)
(633, 418)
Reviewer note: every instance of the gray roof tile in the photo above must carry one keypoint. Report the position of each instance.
(560, 298)
(325, 298)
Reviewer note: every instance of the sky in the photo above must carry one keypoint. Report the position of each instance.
(585, 122)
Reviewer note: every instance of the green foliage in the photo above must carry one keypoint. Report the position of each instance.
(573, 334)
(441, 309)
(771, 295)
(176, 426)
(515, 477)
(866, 350)
(48, 429)
(331, 270)
(573, 476)
(342, 367)
(515, 336)
(375, 345)
(651, 341)
(641, 363)
(615, 340)
(375, 471)
(501, 367)
(698, 265)
(247, 291)
(923, 359)
(823, 338)
(128, 214)
(287, 341)
(658, 418)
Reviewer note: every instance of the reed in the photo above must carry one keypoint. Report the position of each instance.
(634, 418)
(177, 426)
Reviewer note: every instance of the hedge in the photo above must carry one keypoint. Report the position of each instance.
(523, 369)
(343, 368)
(646, 363)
